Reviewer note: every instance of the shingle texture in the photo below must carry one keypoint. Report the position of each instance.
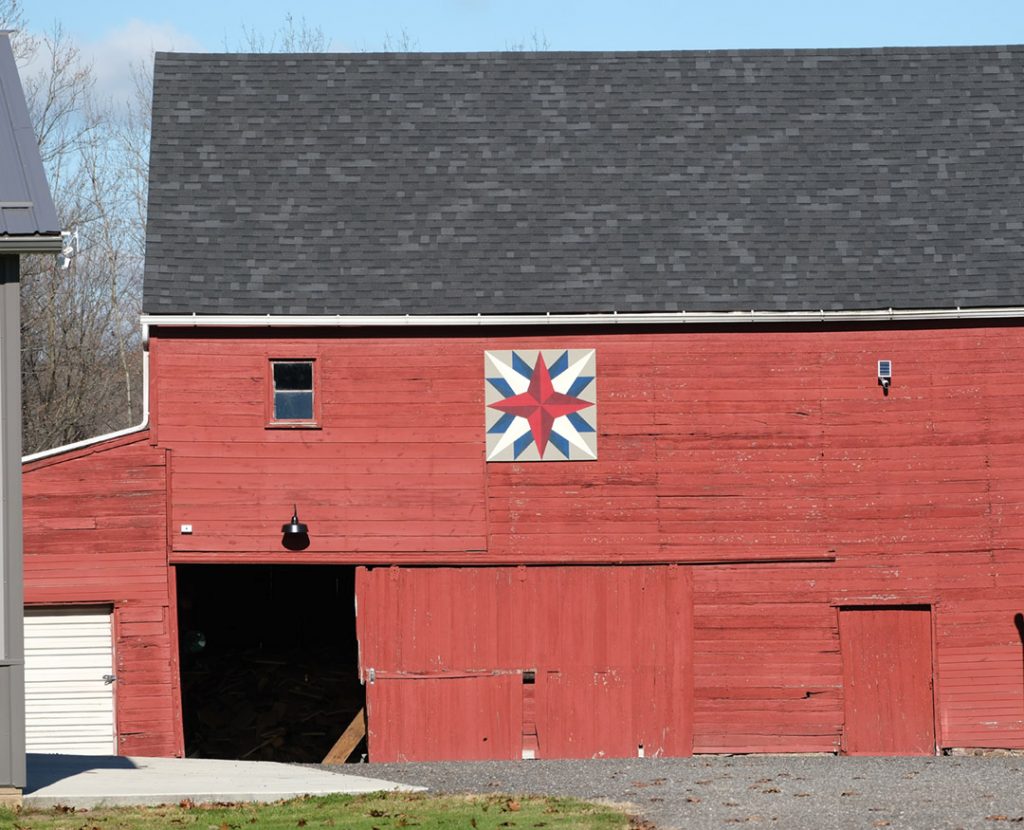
(581, 182)
(26, 207)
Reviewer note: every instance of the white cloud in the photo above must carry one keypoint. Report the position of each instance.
(114, 57)
(127, 46)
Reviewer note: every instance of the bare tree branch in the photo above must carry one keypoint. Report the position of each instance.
(81, 346)
(536, 42)
(291, 36)
(402, 42)
(80, 370)
(12, 18)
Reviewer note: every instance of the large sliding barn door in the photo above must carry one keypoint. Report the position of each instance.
(887, 680)
(545, 662)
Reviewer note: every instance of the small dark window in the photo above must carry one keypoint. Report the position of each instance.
(293, 390)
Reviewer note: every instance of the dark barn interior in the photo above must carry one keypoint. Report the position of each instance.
(269, 660)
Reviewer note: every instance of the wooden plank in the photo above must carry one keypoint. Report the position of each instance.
(94, 531)
(716, 445)
(887, 676)
(618, 675)
(349, 740)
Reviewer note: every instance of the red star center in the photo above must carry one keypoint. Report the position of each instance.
(540, 404)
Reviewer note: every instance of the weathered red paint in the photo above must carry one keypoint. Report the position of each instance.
(609, 649)
(887, 680)
(94, 533)
(470, 717)
(766, 464)
(715, 446)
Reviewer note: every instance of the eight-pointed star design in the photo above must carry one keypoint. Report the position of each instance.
(540, 404)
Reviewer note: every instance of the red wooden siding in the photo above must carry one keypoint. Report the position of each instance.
(980, 693)
(887, 681)
(714, 446)
(610, 649)
(768, 668)
(767, 673)
(765, 464)
(95, 524)
(469, 717)
(396, 468)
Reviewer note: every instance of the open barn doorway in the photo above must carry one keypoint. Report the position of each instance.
(269, 660)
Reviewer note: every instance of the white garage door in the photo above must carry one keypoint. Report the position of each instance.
(69, 704)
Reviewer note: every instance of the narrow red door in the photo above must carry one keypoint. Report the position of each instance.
(887, 679)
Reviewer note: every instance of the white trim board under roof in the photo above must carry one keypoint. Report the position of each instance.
(524, 320)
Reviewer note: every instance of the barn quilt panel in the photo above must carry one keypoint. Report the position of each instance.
(541, 404)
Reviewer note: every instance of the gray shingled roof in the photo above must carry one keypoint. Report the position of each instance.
(571, 182)
(28, 220)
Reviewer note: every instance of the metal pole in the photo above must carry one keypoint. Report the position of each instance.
(12, 645)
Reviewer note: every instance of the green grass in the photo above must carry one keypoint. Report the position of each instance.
(379, 811)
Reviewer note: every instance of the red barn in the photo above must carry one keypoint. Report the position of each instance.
(560, 405)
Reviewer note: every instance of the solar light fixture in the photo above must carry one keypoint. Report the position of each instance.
(885, 375)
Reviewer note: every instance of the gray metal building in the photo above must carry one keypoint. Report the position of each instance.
(28, 224)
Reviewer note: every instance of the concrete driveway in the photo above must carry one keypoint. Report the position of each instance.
(94, 780)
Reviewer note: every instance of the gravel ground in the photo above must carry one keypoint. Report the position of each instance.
(779, 791)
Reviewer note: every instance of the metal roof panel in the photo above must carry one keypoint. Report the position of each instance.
(26, 206)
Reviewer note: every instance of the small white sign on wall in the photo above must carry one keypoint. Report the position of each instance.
(541, 404)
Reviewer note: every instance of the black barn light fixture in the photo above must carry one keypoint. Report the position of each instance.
(295, 527)
(296, 533)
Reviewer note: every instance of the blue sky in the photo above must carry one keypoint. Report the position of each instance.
(113, 32)
(450, 25)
